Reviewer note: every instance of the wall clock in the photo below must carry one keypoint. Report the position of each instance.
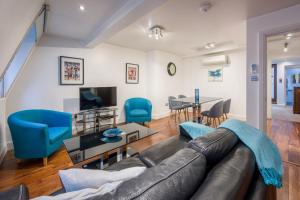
(171, 69)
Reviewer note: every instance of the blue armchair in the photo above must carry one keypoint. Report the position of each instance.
(138, 110)
(38, 133)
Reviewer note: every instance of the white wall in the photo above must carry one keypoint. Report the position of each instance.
(38, 84)
(233, 85)
(160, 84)
(15, 18)
(285, 19)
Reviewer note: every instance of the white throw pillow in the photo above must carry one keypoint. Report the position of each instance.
(77, 179)
(84, 193)
(82, 184)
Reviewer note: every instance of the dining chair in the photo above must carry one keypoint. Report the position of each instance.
(186, 105)
(216, 112)
(226, 108)
(175, 106)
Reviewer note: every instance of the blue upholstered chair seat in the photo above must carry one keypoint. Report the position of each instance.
(56, 133)
(138, 112)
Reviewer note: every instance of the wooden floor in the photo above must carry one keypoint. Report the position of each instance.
(45, 180)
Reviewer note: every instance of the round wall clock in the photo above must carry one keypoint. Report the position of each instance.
(171, 69)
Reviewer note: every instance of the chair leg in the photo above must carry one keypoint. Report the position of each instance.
(226, 116)
(45, 161)
(219, 121)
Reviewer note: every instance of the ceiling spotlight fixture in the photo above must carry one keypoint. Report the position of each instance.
(210, 45)
(285, 49)
(156, 32)
(81, 7)
(205, 7)
(288, 36)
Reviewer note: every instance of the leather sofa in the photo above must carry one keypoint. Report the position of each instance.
(217, 167)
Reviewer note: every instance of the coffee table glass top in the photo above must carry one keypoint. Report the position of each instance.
(86, 146)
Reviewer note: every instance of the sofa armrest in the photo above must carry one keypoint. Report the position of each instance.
(16, 193)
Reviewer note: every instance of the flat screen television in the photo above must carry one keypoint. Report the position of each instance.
(97, 97)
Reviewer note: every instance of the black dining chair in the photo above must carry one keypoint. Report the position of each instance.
(216, 112)
(226, 108)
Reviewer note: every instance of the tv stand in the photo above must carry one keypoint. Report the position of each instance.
(95, 120)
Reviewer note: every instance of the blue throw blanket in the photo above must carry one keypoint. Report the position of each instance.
(266, 153)
(195, 130)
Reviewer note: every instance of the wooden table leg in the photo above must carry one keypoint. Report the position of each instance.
(199, 113)
(194, 114)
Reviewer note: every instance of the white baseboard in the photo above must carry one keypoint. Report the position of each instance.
(10, 145)
(3, 152)
(236, 116)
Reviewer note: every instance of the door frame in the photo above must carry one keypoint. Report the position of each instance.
(274, 100)
(262, 60)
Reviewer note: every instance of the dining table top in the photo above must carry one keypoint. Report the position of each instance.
(201, 100)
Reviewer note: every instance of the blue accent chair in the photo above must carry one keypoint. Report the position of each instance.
(39, 133)
(138, 110)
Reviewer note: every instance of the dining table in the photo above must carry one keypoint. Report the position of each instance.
(196, 105)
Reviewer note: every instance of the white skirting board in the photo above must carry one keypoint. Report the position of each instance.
(3, 152)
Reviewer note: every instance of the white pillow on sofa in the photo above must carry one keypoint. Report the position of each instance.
(82, 184)
(84, 193)
(77, 179)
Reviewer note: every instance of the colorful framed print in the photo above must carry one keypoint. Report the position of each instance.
(71, 70)
(132, 73)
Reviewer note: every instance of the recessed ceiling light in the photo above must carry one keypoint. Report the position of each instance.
(210, 45)
(81, 7)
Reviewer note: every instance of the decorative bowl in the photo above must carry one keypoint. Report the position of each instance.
(113, 132)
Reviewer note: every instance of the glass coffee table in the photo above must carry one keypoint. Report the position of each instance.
(95, 151)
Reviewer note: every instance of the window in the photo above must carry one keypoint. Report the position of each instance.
(22, 54)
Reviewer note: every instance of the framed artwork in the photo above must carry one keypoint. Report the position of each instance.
(215, 74)
(71, 70)
(132, 73)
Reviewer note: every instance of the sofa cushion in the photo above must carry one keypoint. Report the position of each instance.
(138, 112)
(257, 190)
(155, 154)
(230, 178)
(126, 163)
(215, 146)
(177, 177)
(55, 133)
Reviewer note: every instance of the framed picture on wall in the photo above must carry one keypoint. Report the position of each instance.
(215, 74)
(71, 70)
(132, 73)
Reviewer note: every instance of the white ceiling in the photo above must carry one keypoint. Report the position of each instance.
(67, 20)
(188, 30)
(126, 22)
(275, 46)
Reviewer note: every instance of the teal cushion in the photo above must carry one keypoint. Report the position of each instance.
(55, 133)
(138, 112)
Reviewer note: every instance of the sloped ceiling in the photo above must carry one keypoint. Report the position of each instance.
(15, 18)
